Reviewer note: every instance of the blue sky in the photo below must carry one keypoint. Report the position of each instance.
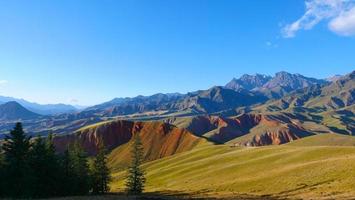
(86, 52)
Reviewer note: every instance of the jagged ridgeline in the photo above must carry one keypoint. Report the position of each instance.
(312, 105)
(303, 126)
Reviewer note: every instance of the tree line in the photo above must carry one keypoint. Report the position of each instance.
(33, 169)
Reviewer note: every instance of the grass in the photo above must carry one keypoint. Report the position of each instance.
(95, 125)
(325, 140)
(333, 121)
(286, 171)
(169, 195)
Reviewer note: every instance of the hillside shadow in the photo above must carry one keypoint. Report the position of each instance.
(174, 195)
(316, 118)
(338, 130)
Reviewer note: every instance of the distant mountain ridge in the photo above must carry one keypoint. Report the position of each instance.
(249, 82)
(14, 111)
(245, 91)
(337, 94)
(291, 81)
(273, 87)
(332, 105)
(248, 90)
(334, 78)
(211, 100)
(47, 109)
(318, 106)
(137, 104)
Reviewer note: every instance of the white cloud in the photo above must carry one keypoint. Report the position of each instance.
(339, 13)
(344, 24)
(3, 82)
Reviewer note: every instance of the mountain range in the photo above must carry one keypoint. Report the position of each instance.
(14, 111)
(245, 91)
(283, 107)
(47, 109)
(206, 140)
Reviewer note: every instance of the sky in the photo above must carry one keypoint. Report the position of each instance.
(88, 52)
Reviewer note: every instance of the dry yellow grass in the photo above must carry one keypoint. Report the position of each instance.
(286, 171)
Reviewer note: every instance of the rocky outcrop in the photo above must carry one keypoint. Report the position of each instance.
(278, 137)
(159, 139)
(248, 82)
(247, 129)
(273, 137)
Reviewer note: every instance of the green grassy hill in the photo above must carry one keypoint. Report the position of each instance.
(295, 170)
(325, 140)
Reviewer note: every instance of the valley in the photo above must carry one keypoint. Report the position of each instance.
(259, 137)
(330, 104)
(177, 99)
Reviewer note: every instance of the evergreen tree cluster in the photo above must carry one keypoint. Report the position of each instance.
(33, 169)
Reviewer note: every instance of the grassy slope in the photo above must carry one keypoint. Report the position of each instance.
(159, 139)
(119, 158)
(295, 170)
(325, 140)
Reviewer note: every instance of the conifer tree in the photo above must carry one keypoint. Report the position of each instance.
(16, 156)
(38, 164)
(136, 179)
(79, 169)
(50, 146)
(53, 166)
(67, 175)
(100, 172)
(44, 164)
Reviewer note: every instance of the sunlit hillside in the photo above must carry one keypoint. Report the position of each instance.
(295, 170)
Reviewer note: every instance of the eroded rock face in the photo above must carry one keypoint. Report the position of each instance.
(271, 130)
(158, 139)
(271, 138)
(248, 129)
(112, 134)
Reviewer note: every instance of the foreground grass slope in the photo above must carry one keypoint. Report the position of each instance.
(325, 140)
(292, 170)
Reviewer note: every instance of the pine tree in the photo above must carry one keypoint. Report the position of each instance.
(44, 164)
(53, 166)
(16, 156)
(136, 179)
(38, 164)
(100, 172)
(50, 146)
(74, 171)
(67, 179)
(78, 164)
